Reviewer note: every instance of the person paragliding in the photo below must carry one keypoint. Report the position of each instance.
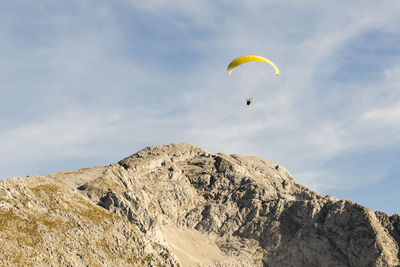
(249, 58)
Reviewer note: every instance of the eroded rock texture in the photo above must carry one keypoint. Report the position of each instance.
(179, 205)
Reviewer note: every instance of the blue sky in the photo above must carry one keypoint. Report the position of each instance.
(86, 83)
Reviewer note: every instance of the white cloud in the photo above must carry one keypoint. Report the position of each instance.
(388, 116)
(392, 75)
(57, 135)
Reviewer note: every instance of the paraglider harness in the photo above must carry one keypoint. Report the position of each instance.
(248, 101)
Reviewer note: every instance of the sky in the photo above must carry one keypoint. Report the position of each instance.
(88, 83)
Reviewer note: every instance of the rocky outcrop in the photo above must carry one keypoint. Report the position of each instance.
(179, 205)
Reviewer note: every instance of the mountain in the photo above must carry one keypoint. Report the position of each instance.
(179, 205)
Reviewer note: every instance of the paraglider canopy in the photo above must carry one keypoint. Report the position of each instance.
(249, 58)
(244, 59)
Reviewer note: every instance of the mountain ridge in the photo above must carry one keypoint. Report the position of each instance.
(180, 205)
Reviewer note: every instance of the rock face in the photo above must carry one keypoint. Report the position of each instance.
(179, 205)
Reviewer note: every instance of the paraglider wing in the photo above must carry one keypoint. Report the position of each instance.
(244, 59)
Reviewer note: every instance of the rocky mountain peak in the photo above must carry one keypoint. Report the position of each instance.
(179, 205)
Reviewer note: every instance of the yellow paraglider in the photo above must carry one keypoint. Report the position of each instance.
(244, 59)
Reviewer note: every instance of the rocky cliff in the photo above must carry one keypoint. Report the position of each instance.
(179, 205)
